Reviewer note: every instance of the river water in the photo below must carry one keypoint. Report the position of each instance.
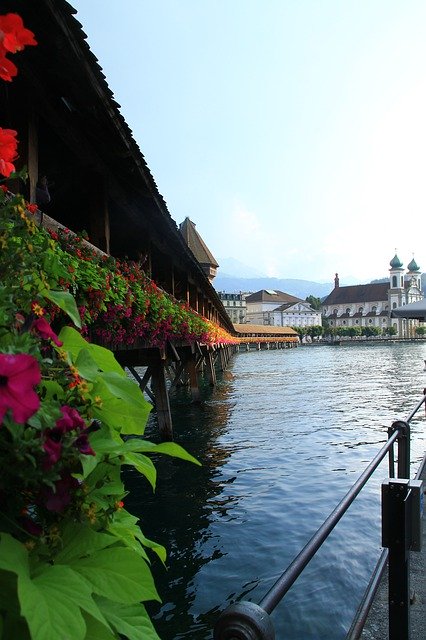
(281, 439)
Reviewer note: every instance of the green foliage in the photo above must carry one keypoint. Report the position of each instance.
(73, 562)
(314, 302)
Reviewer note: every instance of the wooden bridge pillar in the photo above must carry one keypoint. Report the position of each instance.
(210, 368)
(162, 404)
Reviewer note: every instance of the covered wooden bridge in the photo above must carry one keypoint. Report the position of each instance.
(254, 336)
(86, 172)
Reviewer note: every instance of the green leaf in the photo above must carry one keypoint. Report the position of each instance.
(79, 540)
(169, 448)
(53, 390)
(125, 527)
(13, 555)
(144, 465)
(97, 631)
(118, 574)
(86, 365)
(52, 603)
(123, 404)
(74, 342)
(131, 621)
(65, 301)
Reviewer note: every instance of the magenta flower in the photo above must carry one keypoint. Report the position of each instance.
(52, 447)
(45, 331)
(57, 499)
(19, 373)
(83, 445)
(71, 419)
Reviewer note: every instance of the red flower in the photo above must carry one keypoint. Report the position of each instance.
(32, 208)
(3, 188)
(7, 69)
(8, 147)
(45, 331)
(18, 375)
(13, 35)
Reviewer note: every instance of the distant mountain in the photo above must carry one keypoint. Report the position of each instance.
(299, 288)
(230, 268)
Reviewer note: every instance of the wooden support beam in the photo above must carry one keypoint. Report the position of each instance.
(162, 405)
(143, 382)
(191, 368)
(210, 368)
(178, 373)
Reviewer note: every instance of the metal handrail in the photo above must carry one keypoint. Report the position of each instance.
(248, 621)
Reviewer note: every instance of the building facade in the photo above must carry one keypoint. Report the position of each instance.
(371, 304)
(279, 309)
(235, 306)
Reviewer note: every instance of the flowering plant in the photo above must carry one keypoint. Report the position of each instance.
(73, 561)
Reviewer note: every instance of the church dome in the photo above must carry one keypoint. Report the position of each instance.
(413, 266)
(396, 263)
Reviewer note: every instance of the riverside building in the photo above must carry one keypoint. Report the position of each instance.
(279, 309)
(371, 304)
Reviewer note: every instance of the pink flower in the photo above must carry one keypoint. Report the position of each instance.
(70, 420)
(18, 375)
(52, 447)
(83, 445)
(45, 331)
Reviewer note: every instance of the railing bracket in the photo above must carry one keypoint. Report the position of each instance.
(244, 621)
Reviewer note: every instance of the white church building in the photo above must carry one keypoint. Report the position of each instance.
(371, 304)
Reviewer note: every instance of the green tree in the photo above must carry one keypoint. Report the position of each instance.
(420, 331)
(314, 302)
(354, 331)
(315, 331)
(390, 331)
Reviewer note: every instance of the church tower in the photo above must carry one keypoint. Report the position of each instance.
(396, 283)
(414, 277)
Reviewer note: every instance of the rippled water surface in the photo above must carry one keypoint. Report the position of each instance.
(281, 439)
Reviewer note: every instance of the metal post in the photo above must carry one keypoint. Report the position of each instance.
(403, 447)
(396, 515)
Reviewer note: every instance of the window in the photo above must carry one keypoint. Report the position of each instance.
(394, 282)
(394, 305)
(348, 311)
(361, 309)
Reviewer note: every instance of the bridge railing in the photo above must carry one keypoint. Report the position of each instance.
(246, 620)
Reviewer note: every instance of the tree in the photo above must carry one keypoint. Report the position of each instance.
(315, 331)
(420, 331)
(390, 331)
(314, 302)
(354, 331)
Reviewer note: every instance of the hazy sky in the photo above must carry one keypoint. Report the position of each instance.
(292, 132)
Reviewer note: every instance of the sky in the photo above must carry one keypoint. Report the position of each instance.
(291, 132)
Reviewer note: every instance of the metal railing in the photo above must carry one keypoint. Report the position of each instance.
(246, 620)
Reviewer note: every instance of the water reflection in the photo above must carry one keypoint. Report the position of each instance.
(281, 440)
(187, 500)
